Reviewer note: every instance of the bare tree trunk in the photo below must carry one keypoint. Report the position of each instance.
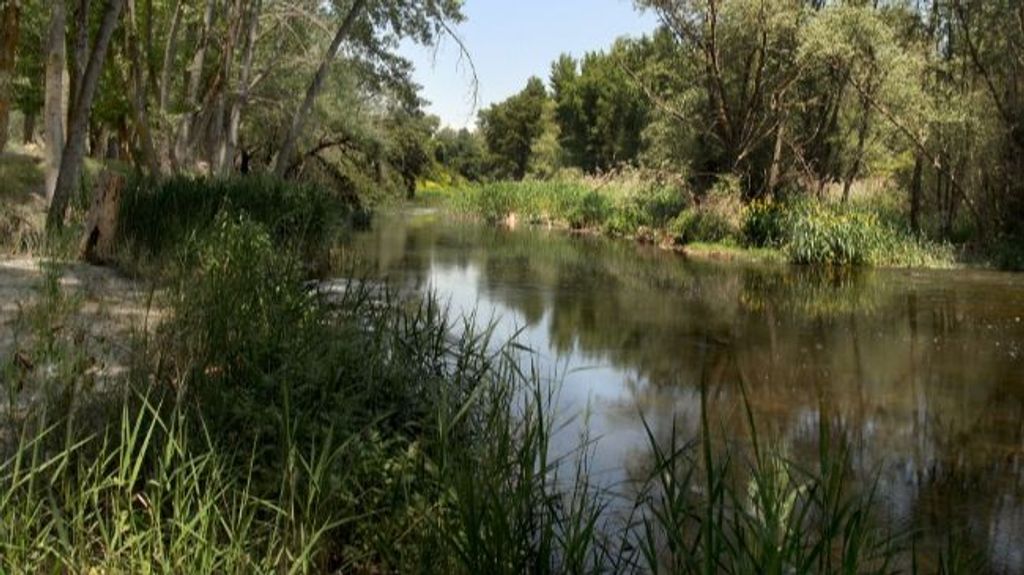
(80, 54)
(774, 172)
(70, 174)
(218, 138)
(915, 194)
(141, 119)
(9, 28)
(195, 77)
(169, 50)
(284, 155)
(53, 108)
(241, 96)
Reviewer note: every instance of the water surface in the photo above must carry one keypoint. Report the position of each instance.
(923, 371)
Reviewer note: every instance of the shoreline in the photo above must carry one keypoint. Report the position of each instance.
(701, 251)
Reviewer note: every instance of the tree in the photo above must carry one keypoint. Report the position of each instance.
(461, 152)
(745, 60)
(10, 15)
(376, 26)
(53, 113)
(600, 110)
(511, 128)
(70, 173)
(408, 134)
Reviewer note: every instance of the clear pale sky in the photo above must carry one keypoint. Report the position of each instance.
(511, 40)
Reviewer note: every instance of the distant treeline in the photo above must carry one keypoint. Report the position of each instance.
(793, 97)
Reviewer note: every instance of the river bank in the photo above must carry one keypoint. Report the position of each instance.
(917, 370)
(392, 427)
(866, 231)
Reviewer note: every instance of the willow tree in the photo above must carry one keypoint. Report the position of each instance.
(745, 51)
(370, 29)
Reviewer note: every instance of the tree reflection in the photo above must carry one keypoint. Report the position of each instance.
(920, 372)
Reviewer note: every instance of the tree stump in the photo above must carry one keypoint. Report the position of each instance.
(101, 224)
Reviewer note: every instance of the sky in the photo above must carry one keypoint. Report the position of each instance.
(511, 40)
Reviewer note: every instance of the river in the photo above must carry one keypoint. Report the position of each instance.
(923, 371)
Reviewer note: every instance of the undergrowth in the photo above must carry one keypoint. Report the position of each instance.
(804, 231)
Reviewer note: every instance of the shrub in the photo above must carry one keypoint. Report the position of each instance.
(832, 235)
(1009, 254)
(649, 205)
(718, 218)
(700, 226)
(156, 217)
(587, 209)
(767, 224)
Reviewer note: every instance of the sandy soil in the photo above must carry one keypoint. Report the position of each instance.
(111, 307)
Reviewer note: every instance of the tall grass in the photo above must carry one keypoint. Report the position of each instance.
(157, 217)
(617, 207)
(802, 231)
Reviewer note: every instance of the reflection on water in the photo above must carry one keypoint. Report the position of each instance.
(922, 371)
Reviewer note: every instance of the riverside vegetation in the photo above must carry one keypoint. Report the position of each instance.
(265, 427)
(718, 224)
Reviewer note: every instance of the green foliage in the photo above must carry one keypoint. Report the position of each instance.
(641, 204)
(269, 429)
(156, 217)
(702, 226)
(511, 128)
(717, 218)
(767, 224)
(460, 152)
(586, 211)
(1010, 254)
(821, 235)
(620, 205)
(600, 110)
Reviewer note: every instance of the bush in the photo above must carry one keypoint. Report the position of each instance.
(648, 205)
(718, 218)
(156, 217)
(833, 235)
(588, 209)
(700, 226)
(767, 224)
(1009, 254)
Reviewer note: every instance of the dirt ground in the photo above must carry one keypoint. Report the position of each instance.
(110, 307)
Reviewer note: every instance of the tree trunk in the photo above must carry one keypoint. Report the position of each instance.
(915, 195)
(97, 245)
(79, 56)
(169, 50)
(9, 28)
(28, 127)
(775, 170)
(242, 96)
(195, 76)
(284, 155)
(70, 174)
(53, 107)
(858, 159)
(217, 147)
(141, 120)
